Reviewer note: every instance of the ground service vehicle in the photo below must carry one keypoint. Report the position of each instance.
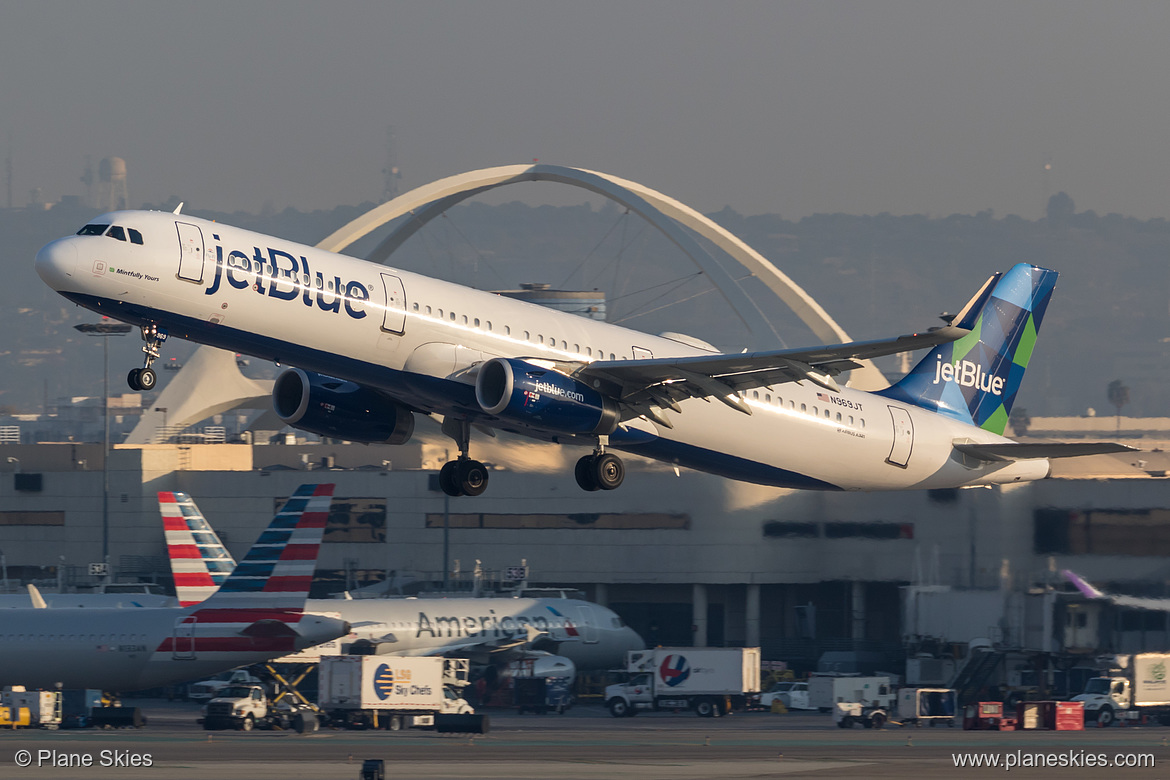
(1137, 685)
(392, 692)
(793, 695)
(824, 691)
(245, 706)
(206, 690)
(44, 707)
(927, 705)
(711, 681)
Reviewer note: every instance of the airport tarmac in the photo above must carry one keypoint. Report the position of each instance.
(586, 743)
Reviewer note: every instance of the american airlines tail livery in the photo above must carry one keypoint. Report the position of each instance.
(371, 346)
(556, 635)
(256, 615)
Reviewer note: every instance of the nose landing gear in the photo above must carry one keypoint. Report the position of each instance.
(144, 378)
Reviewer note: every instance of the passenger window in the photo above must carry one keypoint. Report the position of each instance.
(862, 422)
(464, 319)
(589, 351)
(527, 336)
(416, 306)
(539, 339)
(92, 230)
(477, 322)
(612, 357)
(838, 417)
(755, 395)
(803, 408)
(827, 413)
(577, 348)
(453, 317)
(135, 236)
(117, 232)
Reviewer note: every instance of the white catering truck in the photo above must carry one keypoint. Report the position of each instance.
(711, 681)
(392, 692)
(1136, 685)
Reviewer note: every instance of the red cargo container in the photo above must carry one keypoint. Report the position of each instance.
(1070, 716)
(984, 716)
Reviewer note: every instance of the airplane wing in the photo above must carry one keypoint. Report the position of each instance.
(646, 386)
(1088, 591)
(1008, 451)
(660, 383)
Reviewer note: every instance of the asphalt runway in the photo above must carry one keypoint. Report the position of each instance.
(586, 743)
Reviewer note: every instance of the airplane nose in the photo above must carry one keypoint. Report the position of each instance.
(57, 261)
(321, 629)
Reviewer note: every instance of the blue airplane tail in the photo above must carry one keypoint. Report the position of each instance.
(976, 378)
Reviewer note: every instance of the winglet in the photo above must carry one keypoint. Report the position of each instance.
(38, 601)
(278, 570)
(1087, 590)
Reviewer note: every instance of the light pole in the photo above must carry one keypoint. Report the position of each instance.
(104, 330)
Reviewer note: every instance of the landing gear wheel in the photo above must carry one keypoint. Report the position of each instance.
(472, 477)
(132, 379)
(147, 379)
(609, 471)
(584, 474)
(448, 480)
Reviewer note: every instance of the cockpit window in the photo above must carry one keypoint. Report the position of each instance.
(135, 236)
(92, 230)
(118, 232)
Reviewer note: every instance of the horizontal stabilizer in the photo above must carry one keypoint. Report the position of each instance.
(1017, 451)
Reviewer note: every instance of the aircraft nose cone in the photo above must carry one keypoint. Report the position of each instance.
(57, 262)
(321, 629)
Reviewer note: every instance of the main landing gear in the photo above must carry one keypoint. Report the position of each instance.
(144, 378)
(600, 471)
(462, 477)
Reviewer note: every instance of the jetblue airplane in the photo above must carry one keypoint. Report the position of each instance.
(489, 631)
(255, 616)
(371, 346)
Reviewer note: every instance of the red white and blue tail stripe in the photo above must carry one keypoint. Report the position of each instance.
(278, 570)
(199, 561)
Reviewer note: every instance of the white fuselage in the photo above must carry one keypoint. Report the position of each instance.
(415, 338)
(133, 649)
(591, 636)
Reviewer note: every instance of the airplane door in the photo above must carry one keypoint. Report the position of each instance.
(903, 437)
(190, 252)
(394, 319)
(184, 644)
(588, 625)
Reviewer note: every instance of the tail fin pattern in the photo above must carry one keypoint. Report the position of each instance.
(976, 378)
(278, 570)
(199, 561)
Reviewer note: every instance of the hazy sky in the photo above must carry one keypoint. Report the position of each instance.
(782, 107)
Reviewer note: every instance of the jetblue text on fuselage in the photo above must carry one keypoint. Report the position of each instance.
(279, 275)
(967, 374)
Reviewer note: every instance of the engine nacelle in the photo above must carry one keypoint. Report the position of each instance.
(339, 409)
(541, 397)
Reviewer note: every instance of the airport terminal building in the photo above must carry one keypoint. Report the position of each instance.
(686, 558)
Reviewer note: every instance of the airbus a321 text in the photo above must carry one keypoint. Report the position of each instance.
(371, 347)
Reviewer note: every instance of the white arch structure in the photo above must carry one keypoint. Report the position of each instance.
(666, 214)
(218, 386)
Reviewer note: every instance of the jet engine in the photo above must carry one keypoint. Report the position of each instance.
(541, 397)
(339, 409)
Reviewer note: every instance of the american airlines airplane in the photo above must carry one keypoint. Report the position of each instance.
(372, 346)
(490, 631)
(256, 615)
